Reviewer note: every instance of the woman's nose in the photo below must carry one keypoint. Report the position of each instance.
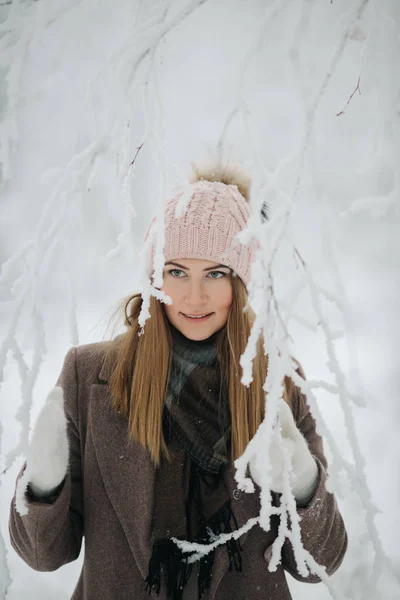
(195, 294)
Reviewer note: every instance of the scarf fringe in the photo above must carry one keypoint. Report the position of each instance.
(167, 558)
(221, 523)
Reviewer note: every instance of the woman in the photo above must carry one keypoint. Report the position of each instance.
(136, 444)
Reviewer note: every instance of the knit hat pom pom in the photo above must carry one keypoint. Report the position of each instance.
(228, 174)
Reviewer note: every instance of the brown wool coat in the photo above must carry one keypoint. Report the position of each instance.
(108, 498)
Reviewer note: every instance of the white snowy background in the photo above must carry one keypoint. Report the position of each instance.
(82, 85)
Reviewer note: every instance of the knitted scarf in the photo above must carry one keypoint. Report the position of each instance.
(190, 498)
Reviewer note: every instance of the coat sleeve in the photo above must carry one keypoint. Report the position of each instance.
(323, 531)
(50, 534)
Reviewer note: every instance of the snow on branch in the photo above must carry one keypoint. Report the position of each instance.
(25, 272)
(25, 275)
(263, 295)
(200, 550)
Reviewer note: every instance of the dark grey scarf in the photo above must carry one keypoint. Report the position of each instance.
(191, 499)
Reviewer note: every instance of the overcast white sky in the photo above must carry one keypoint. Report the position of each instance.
(65, 99)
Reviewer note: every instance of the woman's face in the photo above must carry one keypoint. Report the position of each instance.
(199, 288)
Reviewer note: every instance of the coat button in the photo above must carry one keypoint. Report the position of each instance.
(236, 494)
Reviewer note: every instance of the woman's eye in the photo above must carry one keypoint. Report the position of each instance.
(174, 271)
(217, 273)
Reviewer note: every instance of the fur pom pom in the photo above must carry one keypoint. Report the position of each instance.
(228, 174)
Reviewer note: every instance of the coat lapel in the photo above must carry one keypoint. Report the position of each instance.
(244, 507)
(127, 472)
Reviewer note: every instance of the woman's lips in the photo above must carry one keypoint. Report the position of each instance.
(197, 319)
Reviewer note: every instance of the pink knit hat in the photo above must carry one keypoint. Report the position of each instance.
(215, 212)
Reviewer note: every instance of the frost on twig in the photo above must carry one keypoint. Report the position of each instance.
(26, 272)
(273, 318)
(280, 364)
(135, 59)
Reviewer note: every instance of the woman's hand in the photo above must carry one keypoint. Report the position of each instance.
(304, 466)
(47, 460)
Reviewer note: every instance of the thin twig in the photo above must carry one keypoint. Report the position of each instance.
(299, 256)
(349, 100)
(137, 152)
(8, 2)
(277, 309)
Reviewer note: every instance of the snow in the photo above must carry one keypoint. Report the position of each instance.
(101, 112)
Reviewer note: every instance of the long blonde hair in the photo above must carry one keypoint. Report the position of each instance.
(142, 365)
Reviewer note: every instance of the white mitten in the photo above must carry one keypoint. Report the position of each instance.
(304, 466)
(48, 455)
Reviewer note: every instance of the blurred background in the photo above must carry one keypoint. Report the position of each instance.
(306, 97)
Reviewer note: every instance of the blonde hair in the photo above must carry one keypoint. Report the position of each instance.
(141, 372)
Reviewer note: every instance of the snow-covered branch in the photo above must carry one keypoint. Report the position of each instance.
(311, 56)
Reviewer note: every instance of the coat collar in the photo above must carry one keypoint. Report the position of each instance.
(108, 361)
(128, 475)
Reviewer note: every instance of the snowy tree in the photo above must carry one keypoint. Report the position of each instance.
(101, 111)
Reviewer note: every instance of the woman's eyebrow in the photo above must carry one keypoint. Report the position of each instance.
(170, 262)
